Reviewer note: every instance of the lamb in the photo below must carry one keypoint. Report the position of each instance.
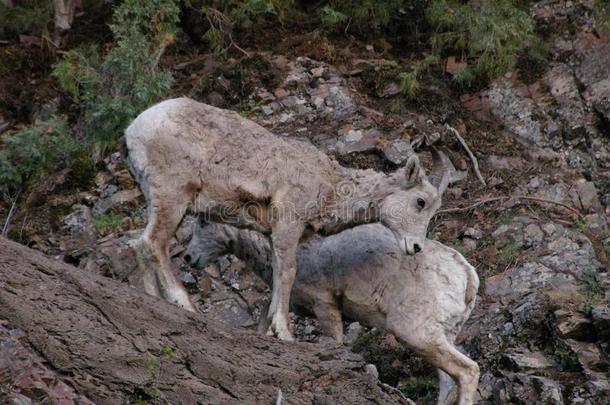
(423, 300)
(185, 154)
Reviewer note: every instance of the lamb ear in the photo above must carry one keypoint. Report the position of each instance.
(441, 174)
(414, 173)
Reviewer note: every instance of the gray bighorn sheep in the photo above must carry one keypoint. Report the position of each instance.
(187, 154)
(423, 300)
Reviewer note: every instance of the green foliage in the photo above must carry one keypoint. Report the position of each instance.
(113, 89)
(105, 224)
(167, 351)
(240, 14)
(507, 253)
(420, 388)
(332, 19)
(408, 81)
(488, 35)
(365, 15)
(31, 153)
(28, 16)
(564, 356)
(152, 367)
(153, 20)
(460, 248)
(78, 73)
(591, 285)
(377, 77)
(248, 13)
(580, 225)
(601, 15)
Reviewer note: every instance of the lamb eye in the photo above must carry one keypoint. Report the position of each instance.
(421, 203)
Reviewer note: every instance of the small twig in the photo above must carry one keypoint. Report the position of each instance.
(475, 162)
(532, 212)
(184, 65)
(481, 202)
(11, 212)
(238, 47)
(160, 53)
(520, 197)
(542, 200)
(349, 21)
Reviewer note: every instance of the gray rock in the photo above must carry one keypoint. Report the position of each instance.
(187, 278)
(79, 221)
(318, 102)
(533, 235)
(397, 151)
(593, 363)
(527, 361)
(357, 141)
(318, 72)
(573, 325)
(353, 331)
(530, 277)
(473, 233)
(550, 391)
(584, 195)
(81, 233)
(342, 101)
(269, 109)
(112, 256)
(601, 320)
(560, 80)
(286, 118)
(469, 245)
(106, 190)
(371, 370)
(515, 110)
(523, 388)
(119, 198)
(290, 101)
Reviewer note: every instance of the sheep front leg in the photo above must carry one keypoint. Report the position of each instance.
(284, 240)
(447, 391)
(152, 252)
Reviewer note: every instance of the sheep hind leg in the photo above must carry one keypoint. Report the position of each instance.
(284, 240)
(329, 316)
(463, 370)
(435, 348)
(153, 253)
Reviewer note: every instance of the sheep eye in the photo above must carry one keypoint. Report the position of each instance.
(421, 203)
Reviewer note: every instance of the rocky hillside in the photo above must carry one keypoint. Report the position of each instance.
(532, 149)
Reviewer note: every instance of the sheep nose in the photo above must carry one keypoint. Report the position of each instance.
(187, 257)
(416, 248)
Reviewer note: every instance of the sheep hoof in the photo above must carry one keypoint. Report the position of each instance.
(281, 332)
(181, 299)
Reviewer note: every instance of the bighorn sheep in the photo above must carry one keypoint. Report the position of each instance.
(184, 153)
(423, 300)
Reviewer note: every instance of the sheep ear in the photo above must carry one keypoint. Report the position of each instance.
(414, 173)
(440, 175)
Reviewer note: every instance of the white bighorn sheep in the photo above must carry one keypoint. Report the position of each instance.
(423, 300)
(187, 154)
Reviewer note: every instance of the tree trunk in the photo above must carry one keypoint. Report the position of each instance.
(116, 345)
(64, 17)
